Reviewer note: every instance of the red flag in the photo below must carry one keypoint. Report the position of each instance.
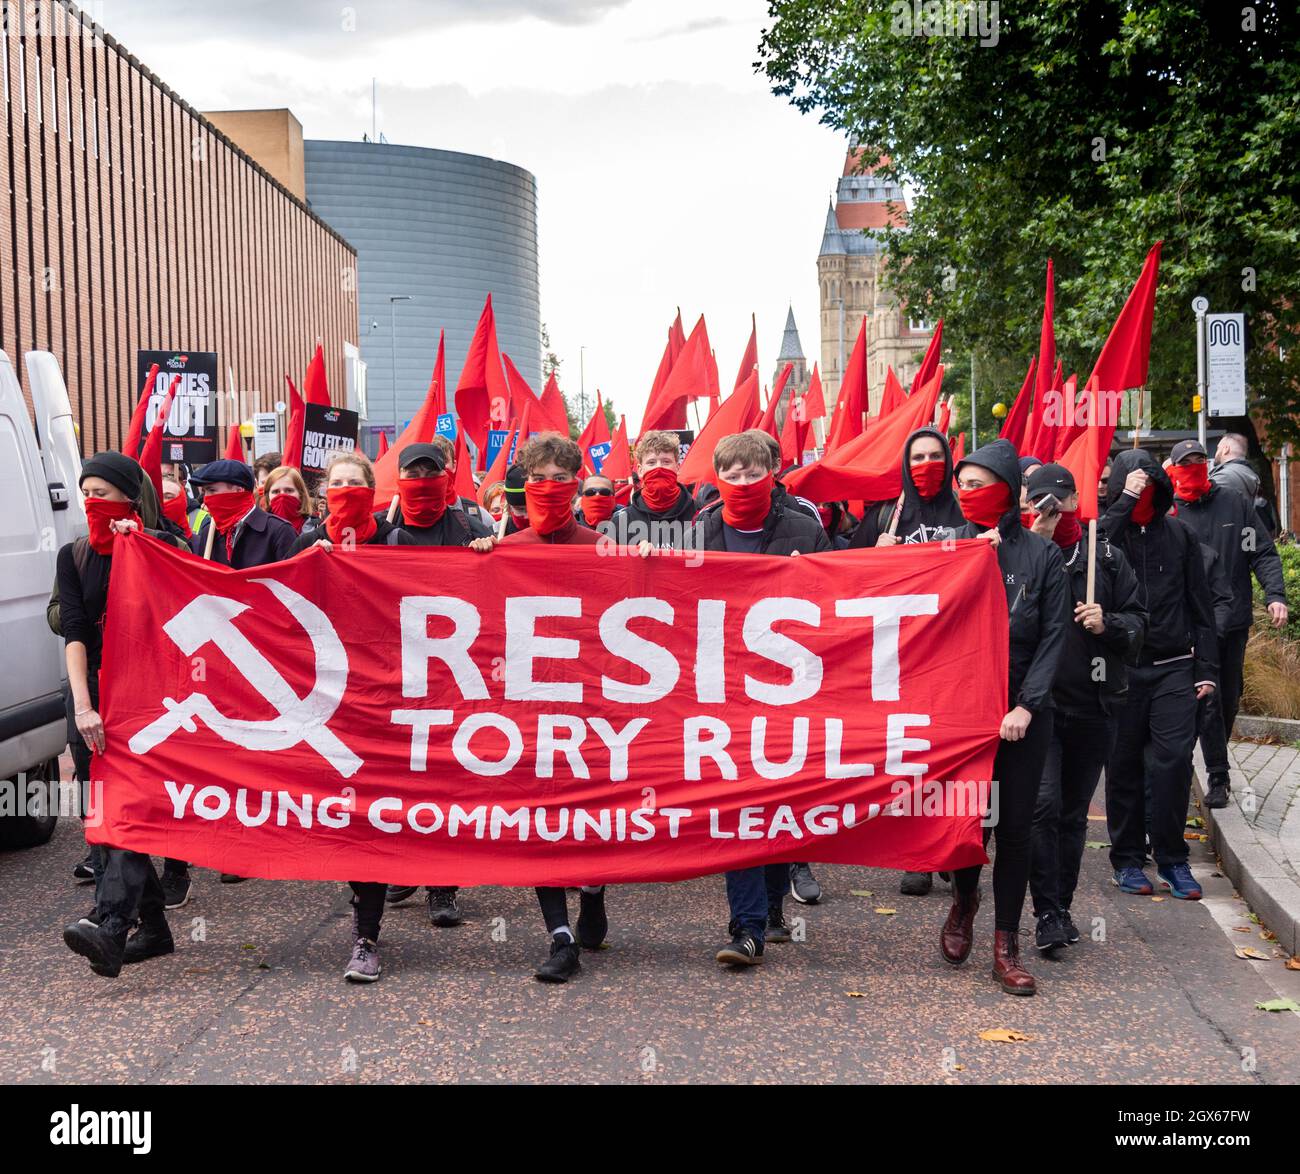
(500, 463)
(1087, 453)
(768, 421)
(930, 363)
(1013, 428)
(853, 401)
(794, 432)
(234, 445)
(892, 397)
(464, 472)
(1126, 355)
(1040, 434)
(869, 466)
(736, 413)
(618, 465)
(315, 389)
(554, 416)
(383, 445)
(1071, 419)
(135, 433)
(151, 457)
(421, 430)
(482, 394)
(945, 417)
(595, 432)
(694, 376)
(297, 426)
(1047, 337)
(959, 449)
(814, 402)
(749, 360)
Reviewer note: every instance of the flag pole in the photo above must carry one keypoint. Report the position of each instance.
(1092, 560)
(1137, 425)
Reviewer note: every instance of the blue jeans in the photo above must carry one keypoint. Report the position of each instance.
(751, 892)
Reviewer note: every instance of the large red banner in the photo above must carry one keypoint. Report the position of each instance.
(551, 715)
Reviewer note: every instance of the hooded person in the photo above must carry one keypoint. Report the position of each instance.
(128, 892)
(423, 510)
(247, 536)
(929, 511)
(1148, 773)
(1091, 684)
(1038, 607)
(1228, 522)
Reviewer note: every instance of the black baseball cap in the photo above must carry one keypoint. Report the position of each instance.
(422, 452)
(1054, 479)
(1186, 448)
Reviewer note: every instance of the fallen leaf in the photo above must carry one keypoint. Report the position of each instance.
(861, 893)
(1196, 822)
(887, 912)
(1003, 1035)
(1293, 963)
(1279, 1005)
(1268, 935)
(1193, 836)
(249, 946)
(424, 1022)
(855, 994)
(1250, 952)
(1157, 898)
(1241, 929)
(1253, 917)
(1094, 844)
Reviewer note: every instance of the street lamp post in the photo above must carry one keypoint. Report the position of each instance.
(392, 339)
(582, 385)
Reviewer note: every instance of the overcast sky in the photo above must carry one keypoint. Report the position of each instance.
(667, 172)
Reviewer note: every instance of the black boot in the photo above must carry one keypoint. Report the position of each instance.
(149, 941)
(101, 946)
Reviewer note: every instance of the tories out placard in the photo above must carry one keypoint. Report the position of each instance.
(550, 715)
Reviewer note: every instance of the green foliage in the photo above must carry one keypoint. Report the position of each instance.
(1090, 130)
(1290, 555)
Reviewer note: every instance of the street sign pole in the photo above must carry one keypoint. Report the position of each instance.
(1200, 306)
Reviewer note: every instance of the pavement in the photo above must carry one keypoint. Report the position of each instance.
(1154, 994)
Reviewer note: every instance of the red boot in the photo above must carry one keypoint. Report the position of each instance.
(1015, 979)
(959, 929)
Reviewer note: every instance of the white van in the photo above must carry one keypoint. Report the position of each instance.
(42, 510)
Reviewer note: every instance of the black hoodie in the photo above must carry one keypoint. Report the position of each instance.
(1166, 558)
(637, 522)
(1038, 596)
(920, 520)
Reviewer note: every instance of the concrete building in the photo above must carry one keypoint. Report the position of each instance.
(851, 273)
(129, 221)
(441, 228)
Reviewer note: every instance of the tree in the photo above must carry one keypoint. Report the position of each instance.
(1087, 131)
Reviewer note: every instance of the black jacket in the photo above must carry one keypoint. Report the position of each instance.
(1079, 687)
(259, 539)
(1228, 523)
(1038, 598)
(1220, 589)
(452, 529)
(786, 530)
(920, 520)
(1166, 558)
(386, 534)
(637, 522)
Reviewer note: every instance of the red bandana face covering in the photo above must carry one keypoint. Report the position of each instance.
(1144, 509)
(745, 507)
(1068, 531)
(174, 509)
(100, 515)
(351, 515)
(550, 505)
(1191, 482)
(288, 507)
(986, 505)
(449, 490)
(597, 509)
(424, 499)
(928, 478)
(228, 508)
(1027, 519)
(659, 489)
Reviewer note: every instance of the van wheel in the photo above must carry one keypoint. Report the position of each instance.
(36, 826)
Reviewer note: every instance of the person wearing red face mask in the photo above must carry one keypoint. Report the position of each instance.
(175, 508)
(1038, 606)
(596, 502)
(286, 496)
(661, 509)
(1149, 772)
(1228, 523)
(127, 889)
(551, 463)
(755, 517)
(422, 493)
(1090, 686)
(246, 535)
(477, 520)
(925, 511)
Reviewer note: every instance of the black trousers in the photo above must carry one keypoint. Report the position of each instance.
(554, 903)
(1218, 712)
(129, 891)
(1017, 770)
(1080, 745)
(1155, 731)
(368, 908)
(81, 763)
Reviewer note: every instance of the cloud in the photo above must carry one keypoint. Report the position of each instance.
(702, 25)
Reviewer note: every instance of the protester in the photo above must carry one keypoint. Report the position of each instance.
(840, 525)
(1091, 682)
(551, 464)
(128, 892)
(1232, 469)
(1228, 522)
(660, 511)
(1103, 487)
(263, 467)
(1027, 466)
(423, 510)
(246, 535)
(175, 509)
(596, 502)
(925, 511)
(494, 501)
(287, 497)
(351, 522)
(516, 500)
(179, 472)
(476, 518)
(790, 500)
(1148, 774)
(1038, 605)
(754, 518)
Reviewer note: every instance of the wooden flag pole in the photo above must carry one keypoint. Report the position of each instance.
(898, 513)
(1137, 425)
(392, 509)
(212, 533)
(1092, 560)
